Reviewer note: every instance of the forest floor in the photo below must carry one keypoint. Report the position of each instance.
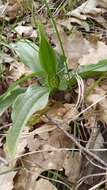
(64, 146)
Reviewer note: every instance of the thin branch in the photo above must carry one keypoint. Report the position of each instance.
(82, 149)
(88, 176)
(98, 185)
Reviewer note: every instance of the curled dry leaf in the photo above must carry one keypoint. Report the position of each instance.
(67, 23)
(26, 31)
(18, 69)
(91, 9)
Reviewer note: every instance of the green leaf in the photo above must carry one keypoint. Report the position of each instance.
(47, 54)
(7, 100)
(33, 100)
(53, 82)
(28, 53)
(92, 70)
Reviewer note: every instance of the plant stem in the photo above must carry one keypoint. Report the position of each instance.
(58, 35)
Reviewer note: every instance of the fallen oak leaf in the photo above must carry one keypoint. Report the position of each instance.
(95, 54)
(44, 184)
(89, 7)
(6, 180)
(26, 31)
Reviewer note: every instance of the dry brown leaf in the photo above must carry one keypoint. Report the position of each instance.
(71, 112)
(6, 180)
(18, 69)
(95, 54)
(75, 47)
(102, 3)
(101, 107)
(25, 179)
(44, 184)
(90, 9)
(72, 166)
(49, 159)
(48, 139)
(99, 142)
(13, 10)
(26, 31)
(47, 142)
(11, 2)
(10, 9)
(67, 23)
(5, 58)
(81, 51)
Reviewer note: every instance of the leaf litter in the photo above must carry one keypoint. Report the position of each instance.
(44, 146)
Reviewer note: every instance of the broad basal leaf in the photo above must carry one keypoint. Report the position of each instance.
(28, 53)
(33, 100)
(7, 100)
(93, 69)
(88, 71)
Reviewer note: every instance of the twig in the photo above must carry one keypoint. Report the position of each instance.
(86, 109)
(98, 185)
(88, 176)
(82, 149)
(94, 164)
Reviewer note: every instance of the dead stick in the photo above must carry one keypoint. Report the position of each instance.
(83, 149)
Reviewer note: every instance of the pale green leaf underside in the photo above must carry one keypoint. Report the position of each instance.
(28, 53)
(7, 100)
(33, 100)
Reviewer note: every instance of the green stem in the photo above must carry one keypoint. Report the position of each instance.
(58, 35)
